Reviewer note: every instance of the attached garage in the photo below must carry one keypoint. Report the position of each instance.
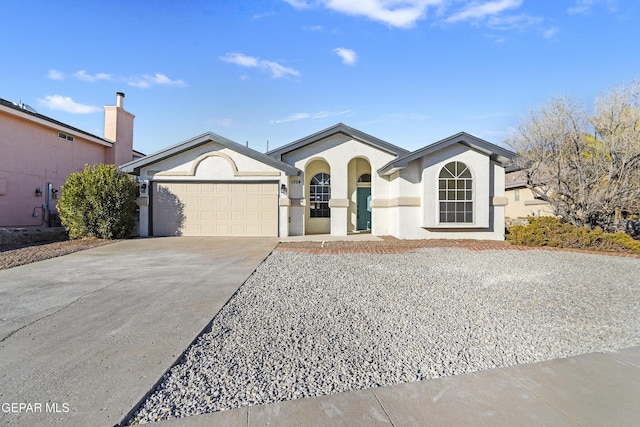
(214, 209)
(212, 186)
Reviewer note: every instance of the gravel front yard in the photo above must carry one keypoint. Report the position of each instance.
(308, 325)
(15, 255)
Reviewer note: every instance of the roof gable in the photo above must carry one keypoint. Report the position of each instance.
(135, 166)
(336, 129)
(496, 153)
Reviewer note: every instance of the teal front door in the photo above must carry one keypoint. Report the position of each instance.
(364, 208)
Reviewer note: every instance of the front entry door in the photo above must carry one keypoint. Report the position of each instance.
(364, 208)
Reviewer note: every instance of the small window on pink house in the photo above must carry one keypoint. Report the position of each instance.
(65, 136)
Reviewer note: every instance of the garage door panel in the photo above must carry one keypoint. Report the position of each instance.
(215, 209)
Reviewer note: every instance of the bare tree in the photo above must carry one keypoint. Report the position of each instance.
(586, 167)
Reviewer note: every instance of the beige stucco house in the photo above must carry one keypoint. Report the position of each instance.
(337, 181)
(521, 200)
(39, 153)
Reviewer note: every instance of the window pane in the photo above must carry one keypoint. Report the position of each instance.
(319, 195)
(446, 173)
(456, 204)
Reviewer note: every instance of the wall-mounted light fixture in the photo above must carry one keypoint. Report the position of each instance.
(283, 189)
(38, 192)
(54, 193)
(143, 187)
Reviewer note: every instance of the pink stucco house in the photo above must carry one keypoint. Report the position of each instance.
(38, 153)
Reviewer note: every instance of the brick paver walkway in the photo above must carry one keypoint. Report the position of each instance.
(391, 245)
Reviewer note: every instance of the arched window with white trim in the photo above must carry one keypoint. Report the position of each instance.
(455, 193)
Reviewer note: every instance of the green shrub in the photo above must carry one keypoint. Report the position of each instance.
(98, 202)
(550, 231)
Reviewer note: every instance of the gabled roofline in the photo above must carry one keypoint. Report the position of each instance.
(496, 153)
(135, 166)
(13, 109)
(335, 129)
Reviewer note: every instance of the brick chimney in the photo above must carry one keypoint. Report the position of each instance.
(118, 128)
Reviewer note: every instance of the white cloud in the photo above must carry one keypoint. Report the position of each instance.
(272, 67)
(66, 104)
(302, 116)
(513, 22)
(55, 75)
(158, 79)
(494, 14)
(477, 11)
(278, 70)
(397, 13)
(82, 75)
(299, 4)
(550, 32)
(583, 7)
(293, 117)
(258, 16)
(240, 59)
(348, 56)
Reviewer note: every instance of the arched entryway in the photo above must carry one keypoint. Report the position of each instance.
(360, 213)
(317, 193)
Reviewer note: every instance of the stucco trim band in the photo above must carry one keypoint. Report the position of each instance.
(535, 202)
(499, 201)
(396, 201)
(338, 203)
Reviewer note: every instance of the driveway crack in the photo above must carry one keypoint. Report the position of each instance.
(66, 306)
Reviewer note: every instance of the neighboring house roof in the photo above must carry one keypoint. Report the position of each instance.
(343, 129)
(515, 179)
(31, 115)
(135, 166)
(496, 153)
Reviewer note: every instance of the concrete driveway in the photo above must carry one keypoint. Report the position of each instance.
(83, 337)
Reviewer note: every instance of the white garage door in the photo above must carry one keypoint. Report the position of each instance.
(215, 209)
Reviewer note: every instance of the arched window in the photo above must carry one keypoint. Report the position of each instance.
(455, 193)
(365, 177)
(319, 195)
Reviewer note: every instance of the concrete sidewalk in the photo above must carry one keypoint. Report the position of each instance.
(596, 389)
(83, 337)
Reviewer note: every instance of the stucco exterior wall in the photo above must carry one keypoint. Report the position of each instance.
(32, 156)
(526, 205)
(338, 151)
(412, 209)
(213, 162)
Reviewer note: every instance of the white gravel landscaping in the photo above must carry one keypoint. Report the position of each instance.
(308, 325)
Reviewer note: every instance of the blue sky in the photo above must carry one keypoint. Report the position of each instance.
(407, 71)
